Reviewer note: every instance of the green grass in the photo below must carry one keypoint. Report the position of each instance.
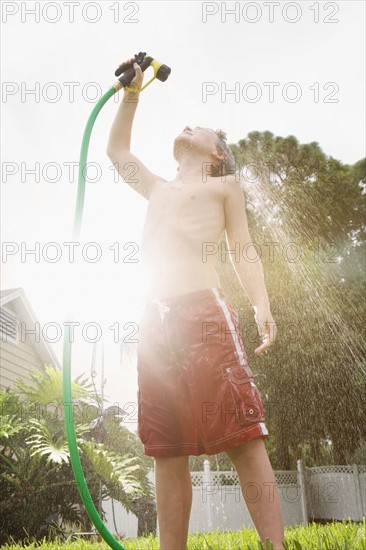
(338, 535)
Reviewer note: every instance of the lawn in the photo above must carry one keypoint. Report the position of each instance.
(338, 535)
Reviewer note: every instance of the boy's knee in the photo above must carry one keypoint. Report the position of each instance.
(247, 449)
(174, 461)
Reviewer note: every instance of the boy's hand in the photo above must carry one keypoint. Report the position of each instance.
(137, 80)
(266, 328)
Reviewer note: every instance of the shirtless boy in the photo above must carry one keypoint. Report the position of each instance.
(196, 391)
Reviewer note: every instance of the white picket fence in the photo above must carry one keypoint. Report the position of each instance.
(323, 492)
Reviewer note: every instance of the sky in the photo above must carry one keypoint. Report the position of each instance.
(293, 68)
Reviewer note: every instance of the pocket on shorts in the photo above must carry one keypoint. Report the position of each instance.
(245, 394)
(140, 420)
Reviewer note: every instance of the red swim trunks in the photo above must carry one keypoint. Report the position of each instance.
(196, 392)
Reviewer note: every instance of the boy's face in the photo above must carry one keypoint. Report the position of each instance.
(203, 140)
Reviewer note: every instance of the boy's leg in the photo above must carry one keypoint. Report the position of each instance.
(173, 489)
(258, 484)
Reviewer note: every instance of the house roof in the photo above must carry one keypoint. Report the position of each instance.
(25, 312)
(4, 293)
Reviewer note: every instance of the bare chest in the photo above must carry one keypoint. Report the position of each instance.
(187, 208)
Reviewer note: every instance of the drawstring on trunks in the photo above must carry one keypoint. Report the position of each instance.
(163, 308)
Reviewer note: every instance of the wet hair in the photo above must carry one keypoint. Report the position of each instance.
(228, 164)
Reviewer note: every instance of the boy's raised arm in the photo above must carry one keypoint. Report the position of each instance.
(130, 168)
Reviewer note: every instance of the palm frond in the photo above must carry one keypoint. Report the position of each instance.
(43, 443)
(117, 472)
(48, 387)
(10, 425)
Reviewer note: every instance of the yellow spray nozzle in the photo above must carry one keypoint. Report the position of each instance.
(161, 71)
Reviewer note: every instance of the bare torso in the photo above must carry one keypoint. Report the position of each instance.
(182, 219)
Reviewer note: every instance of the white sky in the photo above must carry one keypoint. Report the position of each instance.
(46, 131)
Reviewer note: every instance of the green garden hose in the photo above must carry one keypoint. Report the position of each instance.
(83, 156)
(66, 363)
